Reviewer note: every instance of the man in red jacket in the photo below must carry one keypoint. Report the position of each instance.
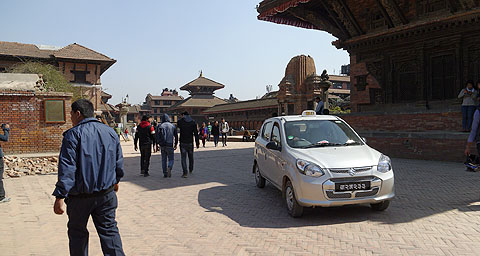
(145, 133)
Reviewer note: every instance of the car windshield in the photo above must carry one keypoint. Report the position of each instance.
(320, 133)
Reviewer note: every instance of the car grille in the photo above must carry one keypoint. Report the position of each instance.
(330, 194)
(368, 193)
(346, 170)
(349, 179)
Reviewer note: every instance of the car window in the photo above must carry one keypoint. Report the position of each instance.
(267, 129)
(276, 137)
(313, 133)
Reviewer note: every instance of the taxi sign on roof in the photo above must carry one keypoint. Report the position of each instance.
(309, 113)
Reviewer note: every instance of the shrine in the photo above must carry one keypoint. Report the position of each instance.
(409, 59)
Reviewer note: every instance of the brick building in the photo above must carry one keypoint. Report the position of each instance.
(37, 118)
(250, 114)
(159, 104)
(201, 98)
(80, 65)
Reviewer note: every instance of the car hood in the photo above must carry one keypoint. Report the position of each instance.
(339, 157)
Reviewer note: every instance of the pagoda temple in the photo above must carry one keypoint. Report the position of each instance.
(201, 97)
(408, 61)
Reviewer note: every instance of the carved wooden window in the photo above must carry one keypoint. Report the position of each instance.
(79, 76)
(377, 21)
(407, 86)
(361, 82)
(424, 7)
(443, 77)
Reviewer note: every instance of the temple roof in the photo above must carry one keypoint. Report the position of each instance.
(197, 102)
(243, 105)
(202, 82)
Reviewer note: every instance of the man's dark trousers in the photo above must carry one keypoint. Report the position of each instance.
(2, 168)
(145, 154)
(186, 149)
(102, 209)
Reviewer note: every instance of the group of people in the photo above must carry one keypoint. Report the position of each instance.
(470, 102)
(206, 131)
(164, 138)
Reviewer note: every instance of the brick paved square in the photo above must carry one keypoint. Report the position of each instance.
(218, 210)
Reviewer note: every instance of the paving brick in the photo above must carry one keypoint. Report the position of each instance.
(219, 211)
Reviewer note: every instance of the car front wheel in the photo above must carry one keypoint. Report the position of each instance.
(259, 179)
(294, 209)
(382, 206)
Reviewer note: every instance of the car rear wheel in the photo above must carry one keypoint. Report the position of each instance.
(259, 179)
(294, 209)
(382, 206)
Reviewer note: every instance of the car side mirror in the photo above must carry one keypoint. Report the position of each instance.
(273, 146)
(364, 139)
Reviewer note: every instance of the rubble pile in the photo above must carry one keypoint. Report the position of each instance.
(17, 166)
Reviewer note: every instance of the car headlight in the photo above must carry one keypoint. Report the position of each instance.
(384, 164)
(309, 168)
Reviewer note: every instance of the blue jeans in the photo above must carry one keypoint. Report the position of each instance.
(467, 117)
(102, 209)
(167, 152)
(215, 139)
(186, 149)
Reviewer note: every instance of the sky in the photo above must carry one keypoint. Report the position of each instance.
(159, 44)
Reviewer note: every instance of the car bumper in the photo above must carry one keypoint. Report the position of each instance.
(321, 192)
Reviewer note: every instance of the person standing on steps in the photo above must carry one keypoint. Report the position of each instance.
(188, 131)
(90, 166)
(224, 129)
(167, 141)
(145, 134)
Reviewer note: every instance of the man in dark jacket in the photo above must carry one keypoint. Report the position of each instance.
(4, 137)
(188, 130)
(90, 167)
(145, 133)
(167, 140)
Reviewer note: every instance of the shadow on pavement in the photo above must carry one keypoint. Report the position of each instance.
(423, 189)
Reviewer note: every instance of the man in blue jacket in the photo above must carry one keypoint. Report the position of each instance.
(167, 139)
(89, 169)
(4, 137)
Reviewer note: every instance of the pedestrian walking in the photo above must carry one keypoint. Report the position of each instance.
(188, 130)
(216, 133)
(209, 127)
(203, 133)
(3, 137)
(145, 134)
(134, 130)
(224, 129)
(87, 181)
(469, 102)
(126, 133)
(167, 139)
(118, 130)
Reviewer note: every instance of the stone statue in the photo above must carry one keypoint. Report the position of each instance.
(324, 77)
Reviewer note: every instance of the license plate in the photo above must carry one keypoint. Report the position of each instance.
(351, 186)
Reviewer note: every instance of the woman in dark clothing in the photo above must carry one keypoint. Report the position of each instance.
(203, 133)
(216, 133)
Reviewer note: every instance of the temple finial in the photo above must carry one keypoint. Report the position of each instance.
(201, 73)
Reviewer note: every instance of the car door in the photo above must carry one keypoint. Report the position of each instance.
(276, 163)
(261, 149)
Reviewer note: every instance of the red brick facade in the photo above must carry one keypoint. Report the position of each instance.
(415, 135)
(29, 133)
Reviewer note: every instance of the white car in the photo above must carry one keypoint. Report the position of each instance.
(319, 160)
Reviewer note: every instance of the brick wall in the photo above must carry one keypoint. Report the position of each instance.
(446, 121)
(29, 133)
(426, 136)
